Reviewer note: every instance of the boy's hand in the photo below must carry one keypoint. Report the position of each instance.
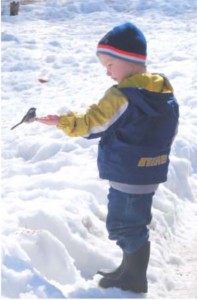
(49, 120)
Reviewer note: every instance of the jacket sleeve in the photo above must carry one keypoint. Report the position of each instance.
(98, 117)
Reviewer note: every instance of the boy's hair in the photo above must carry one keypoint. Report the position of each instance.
(125, 42)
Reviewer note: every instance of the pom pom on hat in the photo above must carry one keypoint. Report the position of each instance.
(125, 42)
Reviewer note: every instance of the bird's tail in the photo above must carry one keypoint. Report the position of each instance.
(15, 126)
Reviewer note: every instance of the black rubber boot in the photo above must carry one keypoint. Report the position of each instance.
(112, 274)
(133, 276)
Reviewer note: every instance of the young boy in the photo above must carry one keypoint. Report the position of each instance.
(136, 121)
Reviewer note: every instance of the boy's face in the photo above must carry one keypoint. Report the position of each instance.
(117, 69)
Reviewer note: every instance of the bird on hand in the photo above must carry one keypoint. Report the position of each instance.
(29, 117)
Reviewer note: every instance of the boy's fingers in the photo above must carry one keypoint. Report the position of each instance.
(48, 117)
(48, 120)
(41, 119)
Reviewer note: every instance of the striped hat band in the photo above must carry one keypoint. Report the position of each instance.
(121, 54)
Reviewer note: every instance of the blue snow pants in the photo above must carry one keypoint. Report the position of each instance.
(127, 219)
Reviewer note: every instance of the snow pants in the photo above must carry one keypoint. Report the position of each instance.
(127, 219)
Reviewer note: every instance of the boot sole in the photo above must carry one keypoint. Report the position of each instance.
(107, 283)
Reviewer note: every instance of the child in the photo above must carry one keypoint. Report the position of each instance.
(136, 121)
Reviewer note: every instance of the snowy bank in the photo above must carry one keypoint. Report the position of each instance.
(54, 205)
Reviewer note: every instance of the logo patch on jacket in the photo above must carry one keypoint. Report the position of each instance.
(153, 161)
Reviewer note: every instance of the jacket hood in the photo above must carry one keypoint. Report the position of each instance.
(152, 93)
(149, 81)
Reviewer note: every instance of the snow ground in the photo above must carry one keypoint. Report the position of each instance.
(183, 265)
(54, 206)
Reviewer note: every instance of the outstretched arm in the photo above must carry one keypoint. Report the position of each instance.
(96, 120)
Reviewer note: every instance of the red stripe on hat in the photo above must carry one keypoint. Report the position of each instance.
(140, 56)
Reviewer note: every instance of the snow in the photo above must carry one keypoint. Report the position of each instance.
(54, 205)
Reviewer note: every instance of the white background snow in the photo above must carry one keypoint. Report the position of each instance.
(53, 203)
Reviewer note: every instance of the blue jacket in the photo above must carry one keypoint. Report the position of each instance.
(135, 149)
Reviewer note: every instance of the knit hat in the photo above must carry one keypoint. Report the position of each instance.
(125, 42)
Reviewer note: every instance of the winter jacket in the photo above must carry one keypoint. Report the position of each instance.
(136, 121)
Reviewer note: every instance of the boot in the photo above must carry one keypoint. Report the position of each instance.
(133, 277)
(112, 274)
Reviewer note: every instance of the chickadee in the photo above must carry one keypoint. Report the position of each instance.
(28, 118)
